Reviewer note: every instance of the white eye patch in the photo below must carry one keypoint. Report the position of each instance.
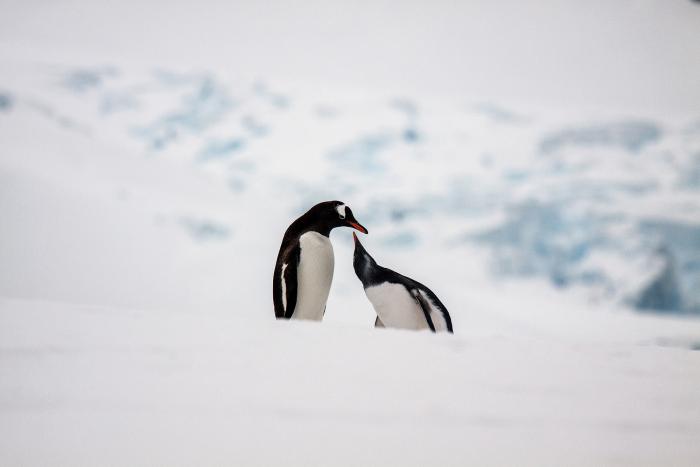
(341, 210)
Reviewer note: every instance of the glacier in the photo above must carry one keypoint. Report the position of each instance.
(587, 205)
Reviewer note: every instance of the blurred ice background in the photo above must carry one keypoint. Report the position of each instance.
(537, 164)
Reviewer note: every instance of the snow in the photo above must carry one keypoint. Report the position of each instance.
(85, 385)
(544, 186)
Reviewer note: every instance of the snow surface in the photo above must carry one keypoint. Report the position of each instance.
(84, 385)
(150, 162)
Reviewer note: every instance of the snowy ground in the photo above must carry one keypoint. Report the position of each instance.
(101, 386)
(148, 169)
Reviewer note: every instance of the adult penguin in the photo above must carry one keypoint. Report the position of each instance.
(304, 268)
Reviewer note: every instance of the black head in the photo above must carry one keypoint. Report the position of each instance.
(326, 216)
(365, 266)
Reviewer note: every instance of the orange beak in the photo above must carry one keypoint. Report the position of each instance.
(357, 226)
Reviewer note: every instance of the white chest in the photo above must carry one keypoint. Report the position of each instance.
(395, 307)
(314, 276)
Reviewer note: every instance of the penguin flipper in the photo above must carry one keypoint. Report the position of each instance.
(285, 285)
(290, 278)
(378, 323)
(424, 306)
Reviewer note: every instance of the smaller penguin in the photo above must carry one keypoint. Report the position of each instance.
(400, 302)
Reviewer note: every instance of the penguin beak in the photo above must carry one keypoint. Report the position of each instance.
(357, 226)
(352, 222)
(358, 246)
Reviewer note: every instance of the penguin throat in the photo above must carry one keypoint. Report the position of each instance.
(322, 229)
(366, 270)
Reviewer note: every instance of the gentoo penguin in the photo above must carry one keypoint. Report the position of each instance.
(304, 268)
(399, 302)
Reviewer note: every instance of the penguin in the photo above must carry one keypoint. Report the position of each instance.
(400, 302)
(304, 268)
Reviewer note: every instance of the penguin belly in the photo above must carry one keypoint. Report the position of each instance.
(396, 307)
(314, 276)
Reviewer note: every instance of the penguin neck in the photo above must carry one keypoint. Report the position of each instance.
(367, 270)
(325, 231)
(300, 226)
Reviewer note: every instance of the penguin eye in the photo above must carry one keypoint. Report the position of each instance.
(341, 210)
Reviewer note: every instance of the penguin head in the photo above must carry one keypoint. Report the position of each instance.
(331, 214)
(364, 264)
